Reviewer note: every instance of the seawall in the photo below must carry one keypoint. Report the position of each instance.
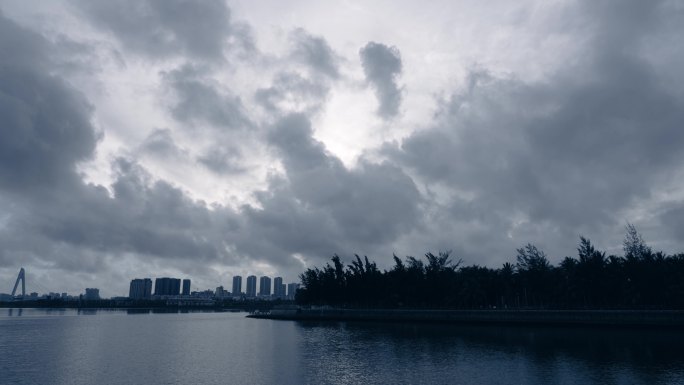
(618, 318)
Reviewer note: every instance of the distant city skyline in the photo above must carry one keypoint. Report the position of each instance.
(146, 288)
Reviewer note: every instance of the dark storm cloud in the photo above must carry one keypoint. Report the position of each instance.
(505, 162)
(361, 208)
(382, 65)
(319, 207)
(21, 48)
(316, 208)
(155, 218)
(45, 123)
(314, 52)
(196, 29)
(143, 216)
(85, 229)
(569, 154)
(52, 216)
(201, 100)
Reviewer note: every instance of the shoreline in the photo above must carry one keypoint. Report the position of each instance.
(604, 318)
(132, 304)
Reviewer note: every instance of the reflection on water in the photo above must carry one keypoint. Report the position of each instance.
(11, 312)
(474, 355)
(18, 312)
(138, 311)
(63, 346)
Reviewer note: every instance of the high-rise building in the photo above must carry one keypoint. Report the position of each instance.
(91, 294)
(167, 286)
(237, 286)
(140, 289)
(251, 286)
(186, 287)
(219, 292)
(175, 286)
(265, 286)
(161, 286)
(278, 287)
(292, 290)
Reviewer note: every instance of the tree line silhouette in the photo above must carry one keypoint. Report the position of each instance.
(639, 279)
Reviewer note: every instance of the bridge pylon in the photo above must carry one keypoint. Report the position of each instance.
(22, 277)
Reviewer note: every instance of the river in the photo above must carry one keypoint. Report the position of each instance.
(65, 346)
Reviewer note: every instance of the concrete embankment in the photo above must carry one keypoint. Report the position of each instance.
(622, 318)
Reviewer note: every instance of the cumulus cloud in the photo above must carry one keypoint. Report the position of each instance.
(198, 99)
(321, 207)
(382, 65)
(314, 52)
(504, 161)
(160, 143)
(305, 86)
(547, 161)
(46, 123)
(316, 208)
(200, 30)
(143, 216)
(56, 218)
(291, 92)
(223, 160)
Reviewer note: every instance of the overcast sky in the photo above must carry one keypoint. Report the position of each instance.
(209, 139)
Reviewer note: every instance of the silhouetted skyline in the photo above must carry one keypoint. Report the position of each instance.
(640, 278)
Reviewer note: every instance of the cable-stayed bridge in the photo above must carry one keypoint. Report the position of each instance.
(21, 277)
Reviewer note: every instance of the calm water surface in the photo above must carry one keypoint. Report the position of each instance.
(118, 347)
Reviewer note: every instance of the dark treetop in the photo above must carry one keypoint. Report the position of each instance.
(639, 279)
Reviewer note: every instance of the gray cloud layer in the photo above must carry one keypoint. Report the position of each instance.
(292, 91)
(320, 207)
(53, 215)
(503, 163)
(571, 154)
(382, 65)
(201, 30)
(314, 52)
(46, 123)
(198, 101)
(311, 211)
